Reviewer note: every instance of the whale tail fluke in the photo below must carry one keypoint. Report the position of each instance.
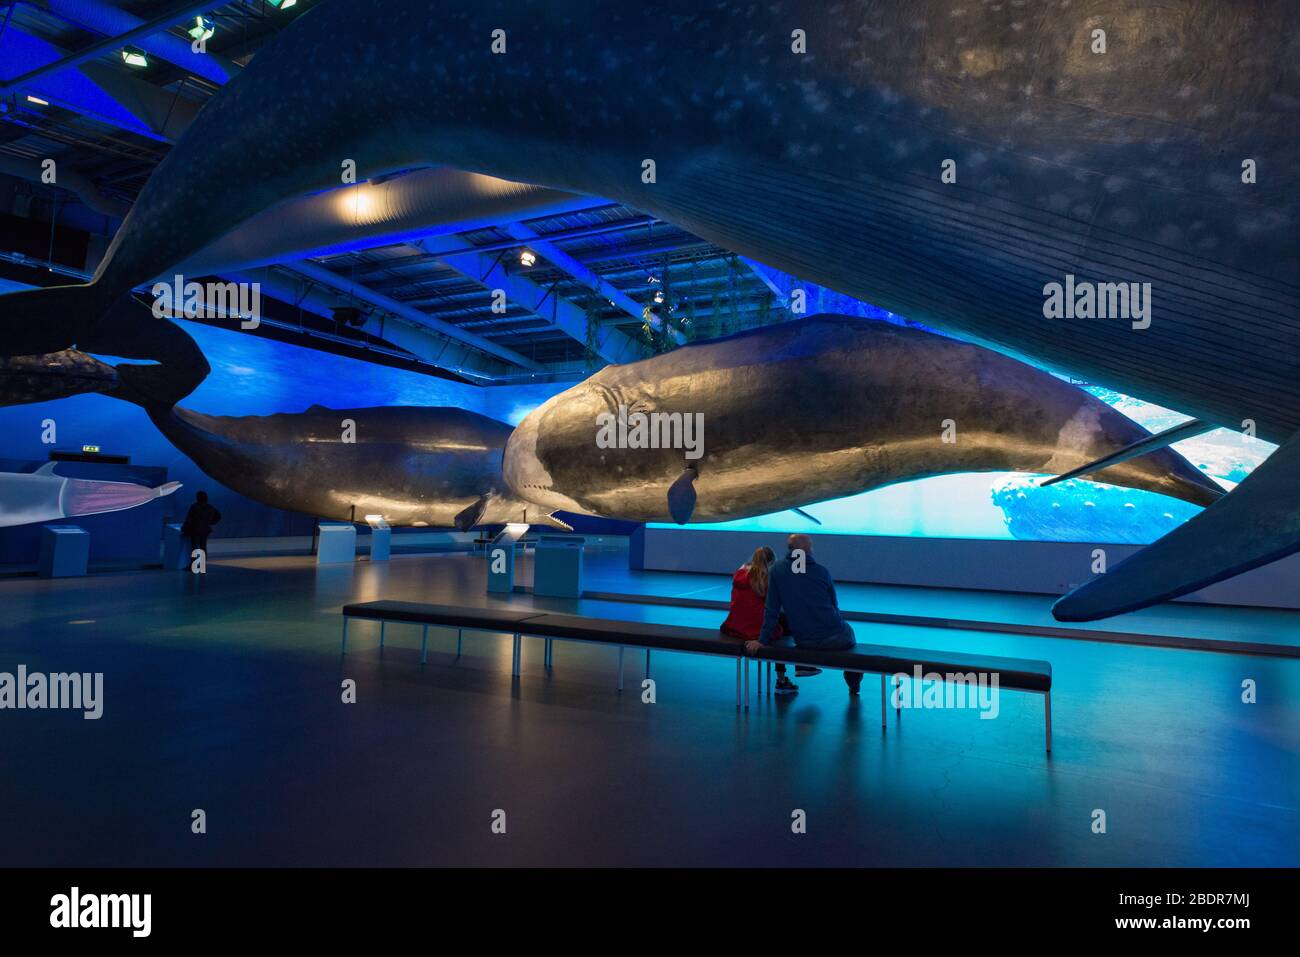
(1255, 524)
(39, 321)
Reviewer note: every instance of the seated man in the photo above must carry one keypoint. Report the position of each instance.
(805, 591)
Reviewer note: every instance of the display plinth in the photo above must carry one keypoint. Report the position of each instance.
(338, 543)
(65, 551)
(557, 566)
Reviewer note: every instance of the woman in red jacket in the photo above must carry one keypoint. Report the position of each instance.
(745, 619)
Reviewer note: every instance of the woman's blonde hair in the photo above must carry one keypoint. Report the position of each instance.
(758, 566)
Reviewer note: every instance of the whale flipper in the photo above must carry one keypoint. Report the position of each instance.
(1141, 447)
(470, 516)
(681, 496)
(1255, 524)
(811, 518)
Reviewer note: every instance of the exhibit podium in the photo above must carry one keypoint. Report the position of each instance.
(557, 566)
(65, 551)
(337, 543)
(501, 559)
(381, 538)
(176, 551)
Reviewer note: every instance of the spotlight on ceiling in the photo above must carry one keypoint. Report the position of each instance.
(659, 295)
(282, 4)
(202, 28)
(134, 56)
(37, 100)
(527, 257)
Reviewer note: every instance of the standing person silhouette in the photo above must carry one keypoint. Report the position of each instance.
(199, 521)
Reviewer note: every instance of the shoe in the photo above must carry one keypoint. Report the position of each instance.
(854, 682)
(785, 686)
(806, 671)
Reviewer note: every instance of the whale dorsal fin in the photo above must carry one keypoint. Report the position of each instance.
(681, 496)
(46, 469)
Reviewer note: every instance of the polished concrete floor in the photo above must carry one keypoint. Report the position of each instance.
(223, 693)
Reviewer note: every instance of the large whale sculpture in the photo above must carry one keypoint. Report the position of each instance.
(809, 410)
(25, 379)
(421, 467)
(959, 163)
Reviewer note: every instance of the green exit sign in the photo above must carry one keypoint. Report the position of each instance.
(90, 449)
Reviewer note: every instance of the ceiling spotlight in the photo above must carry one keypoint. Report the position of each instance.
(37, 100)
(659, 295)
(282, 4)
(527, 257)
(134, 56)
(202, 28)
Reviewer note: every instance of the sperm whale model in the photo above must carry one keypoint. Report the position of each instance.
(949, 161)
(809, 410)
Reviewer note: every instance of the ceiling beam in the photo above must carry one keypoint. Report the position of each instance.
(491, 273)
(558, 257)
(356, 291)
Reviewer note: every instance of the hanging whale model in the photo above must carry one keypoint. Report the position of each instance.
(414, 466)
(961, 164)
(25, 379)
(809, 410)
(43, 496)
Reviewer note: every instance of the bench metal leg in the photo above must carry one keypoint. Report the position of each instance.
(344, 650)
(769, 679)
(459, 634)
(883, 699)
(1047, 715)
(647, 662)
(898, 701)
(518, 654)
(738, 661)
(381, 634)
(746, 684)
(424, 645)
(550, 653)
(620, 667)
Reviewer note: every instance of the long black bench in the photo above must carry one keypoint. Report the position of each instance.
(1017, 674)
